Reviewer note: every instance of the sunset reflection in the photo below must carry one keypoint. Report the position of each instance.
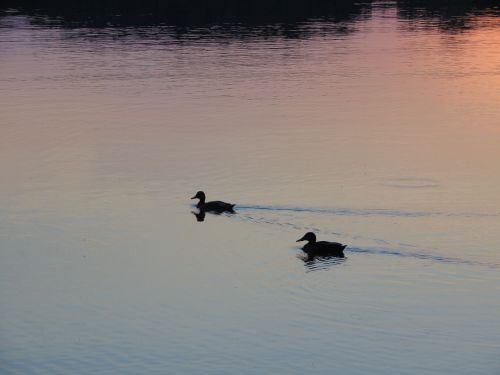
(373, 124)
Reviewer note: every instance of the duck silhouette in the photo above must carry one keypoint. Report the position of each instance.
(321, 248)
(214, 206)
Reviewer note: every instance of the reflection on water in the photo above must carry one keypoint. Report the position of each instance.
(319, 263)
(265, 18)
(374, 124)
(201, 214)
(184, 15)
(449, 17)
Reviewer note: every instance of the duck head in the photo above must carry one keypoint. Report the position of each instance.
(309, 237)
(201, 196)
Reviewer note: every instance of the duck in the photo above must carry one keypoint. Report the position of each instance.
(321, 248)
(214, 206)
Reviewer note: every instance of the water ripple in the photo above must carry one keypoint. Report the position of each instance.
(420, 255)
(364, 211)
(384, 249)
(321, 263)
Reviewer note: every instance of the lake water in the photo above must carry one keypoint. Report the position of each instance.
(381, 132)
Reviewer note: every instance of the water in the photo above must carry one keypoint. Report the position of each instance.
(380, 131)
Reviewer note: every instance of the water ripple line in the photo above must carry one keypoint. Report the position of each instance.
(419, 255)
(363, 211)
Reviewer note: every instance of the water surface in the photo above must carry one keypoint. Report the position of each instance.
(379, 130)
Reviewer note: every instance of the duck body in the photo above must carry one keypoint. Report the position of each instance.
(325, 248)
(321, 248)
(213, 206)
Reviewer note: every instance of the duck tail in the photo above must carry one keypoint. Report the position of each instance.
(343, 247)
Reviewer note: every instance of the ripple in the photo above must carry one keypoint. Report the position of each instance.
(321, 263)
(383, 246)
(419, 255)
(363, 211)
(411, 183)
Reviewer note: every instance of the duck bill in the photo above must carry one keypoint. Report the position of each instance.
(193, 197)
(302, 239)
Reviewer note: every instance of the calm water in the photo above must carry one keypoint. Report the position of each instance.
(380, 132)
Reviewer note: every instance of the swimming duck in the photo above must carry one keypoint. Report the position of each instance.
(313, 248)
(214, 206)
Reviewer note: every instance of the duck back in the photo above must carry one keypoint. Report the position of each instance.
(217, 206)
(325, 248)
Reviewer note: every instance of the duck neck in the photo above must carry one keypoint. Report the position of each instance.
(201, 202)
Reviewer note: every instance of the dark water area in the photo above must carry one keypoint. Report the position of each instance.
(452, 15)
(193, 12)
(373, 124)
